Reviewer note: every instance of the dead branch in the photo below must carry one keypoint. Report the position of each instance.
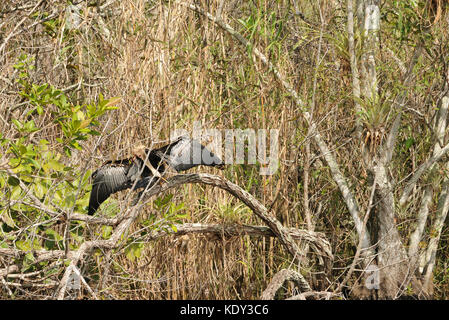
(240, 194)
(132, 213)
(316, 239)
(279, 279)
(359, 246)
(416, 237)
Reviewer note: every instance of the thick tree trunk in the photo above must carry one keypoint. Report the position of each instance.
(392, 259)
(394, 270)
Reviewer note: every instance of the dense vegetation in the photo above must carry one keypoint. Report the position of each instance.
(361, 108)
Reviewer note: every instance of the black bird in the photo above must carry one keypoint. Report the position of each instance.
(146, 167)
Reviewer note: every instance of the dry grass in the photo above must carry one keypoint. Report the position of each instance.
(171, 67)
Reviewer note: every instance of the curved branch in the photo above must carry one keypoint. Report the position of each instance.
(217, 181)
(278, 281)
(132, 213)
(239, 193)
(317, 240)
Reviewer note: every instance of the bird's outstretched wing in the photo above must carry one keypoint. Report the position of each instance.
(112, 177)
(182, 154)
(185, 153)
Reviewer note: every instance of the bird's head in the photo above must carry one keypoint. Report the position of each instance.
(139, 151)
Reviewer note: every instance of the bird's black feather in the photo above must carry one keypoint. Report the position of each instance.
(182, 154)
(185, 153)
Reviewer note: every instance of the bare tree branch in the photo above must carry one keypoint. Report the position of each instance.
(420, 171)
(240, 194)
(317, 241)
(353, 62)
(443, 203)
(132, 213)
(359, 246)
(279, 279)
(423, 212)
(338, 177)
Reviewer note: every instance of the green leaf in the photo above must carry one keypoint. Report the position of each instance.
(6, 218)
(107, 231)
(23, 245)
(17, 124)
(53, 240)
(134, 251)
(78, 238)
(55, 165)
(408, 143)
(111, 102)
(39, 190)
(16, 193)
(13, 181)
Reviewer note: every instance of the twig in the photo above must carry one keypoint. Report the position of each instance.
(420, 171)
(5, 284)
(316, 239)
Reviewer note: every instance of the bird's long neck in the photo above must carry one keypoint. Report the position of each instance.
(152, 169)
(145, 155)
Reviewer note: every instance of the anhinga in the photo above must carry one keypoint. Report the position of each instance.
(146, 167)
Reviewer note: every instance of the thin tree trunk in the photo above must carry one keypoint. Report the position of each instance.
(443, 205)
(354, 67)
(440, 129)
